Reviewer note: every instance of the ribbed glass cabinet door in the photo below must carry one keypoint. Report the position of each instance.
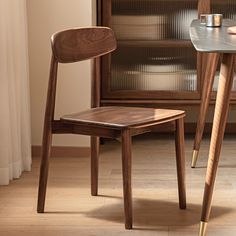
(154, 51)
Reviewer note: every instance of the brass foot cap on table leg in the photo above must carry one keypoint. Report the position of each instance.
(194, 158)
(203, 227)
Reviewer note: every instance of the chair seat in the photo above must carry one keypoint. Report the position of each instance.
(120, 117)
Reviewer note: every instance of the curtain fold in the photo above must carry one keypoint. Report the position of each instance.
(15, 140)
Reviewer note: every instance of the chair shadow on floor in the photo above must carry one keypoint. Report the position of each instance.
(151, 214)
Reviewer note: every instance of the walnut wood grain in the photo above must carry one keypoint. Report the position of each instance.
(94, 164)
(219, 123)
(204, 7)
(47, 135)
(209, 77)
(96, 83)
(122, 116)
(59, 127)
(126, 171)
(180, 160)
(94, 140)
(216, 40)
(112, 122)
(74, 45)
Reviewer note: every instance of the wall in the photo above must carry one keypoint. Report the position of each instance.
(44, 18)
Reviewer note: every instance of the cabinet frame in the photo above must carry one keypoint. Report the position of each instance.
(155, 97)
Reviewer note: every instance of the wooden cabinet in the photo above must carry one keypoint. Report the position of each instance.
(155, 63)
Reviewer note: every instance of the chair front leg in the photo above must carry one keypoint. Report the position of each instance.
(180, 160)
(126, 170)
(94, 164)
(46, 149)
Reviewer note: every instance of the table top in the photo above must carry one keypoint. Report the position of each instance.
(209, 39)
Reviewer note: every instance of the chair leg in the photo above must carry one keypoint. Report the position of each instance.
(46, 149)
(126, 170)
(180, 160)
(209, 76)
(95, 143)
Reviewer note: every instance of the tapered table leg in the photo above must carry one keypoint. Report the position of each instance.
(210, 70)
(219, 123)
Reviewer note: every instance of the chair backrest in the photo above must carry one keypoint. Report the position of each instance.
(82, 43)
(75, 45)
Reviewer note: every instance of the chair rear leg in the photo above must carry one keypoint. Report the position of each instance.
(126, 170)
(46, 149)
(180, 160)
(95, 143)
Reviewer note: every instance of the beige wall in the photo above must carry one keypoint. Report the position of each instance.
(44, 18)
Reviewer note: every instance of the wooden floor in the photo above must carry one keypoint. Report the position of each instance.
(70, 210)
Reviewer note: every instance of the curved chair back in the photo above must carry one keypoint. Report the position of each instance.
(82, 43)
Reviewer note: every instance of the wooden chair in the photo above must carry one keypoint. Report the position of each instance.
(75, 45)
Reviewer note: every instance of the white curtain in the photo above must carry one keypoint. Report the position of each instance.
(15, 146)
